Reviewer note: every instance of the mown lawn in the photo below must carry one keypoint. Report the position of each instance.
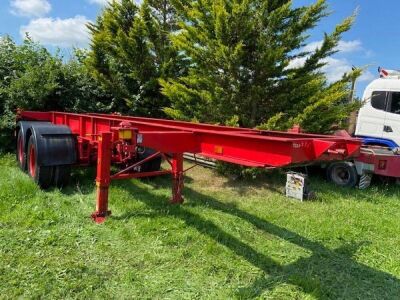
(229, 240)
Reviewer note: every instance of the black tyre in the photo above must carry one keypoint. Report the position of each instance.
(21, 152)
(42, 175)
(343, 174)
(152, 165)
(62, 175)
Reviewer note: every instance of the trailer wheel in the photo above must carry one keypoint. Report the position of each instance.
(62, 175)
(40, 174)
(21, 153)
(152, 165)
(343, 174)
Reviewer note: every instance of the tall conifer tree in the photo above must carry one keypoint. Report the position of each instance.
(241, 55)
(130, 51)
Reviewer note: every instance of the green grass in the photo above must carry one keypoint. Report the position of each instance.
(229, 240)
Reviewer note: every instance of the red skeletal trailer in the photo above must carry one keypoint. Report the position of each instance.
(62, 139)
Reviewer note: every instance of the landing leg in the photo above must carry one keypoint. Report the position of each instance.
(177, 178)
(103, 177)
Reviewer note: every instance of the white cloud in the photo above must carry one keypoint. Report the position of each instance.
(311, 47)
(297, 62)
(58, 32)
(100, 2)
(343, 46)
(349, 46)
(367, 76)
(334, 67)
(30, 8)
(105, 2)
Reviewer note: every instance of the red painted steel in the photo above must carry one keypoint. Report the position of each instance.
(381, 161)
(103, 177)
(115, 139)
(248, 147)
(141, 175)
(32, 161)
(177, 178)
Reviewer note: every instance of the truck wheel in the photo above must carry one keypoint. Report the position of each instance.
(62, 175)
(21, 154)
(40, 174)
(343, 174)
(152, 165)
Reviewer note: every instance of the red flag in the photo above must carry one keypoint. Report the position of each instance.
(382, 72)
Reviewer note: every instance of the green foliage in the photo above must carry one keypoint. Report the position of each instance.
(240, 54)
(130, 51)
(28, 75)
(31, 78)
(78, 90)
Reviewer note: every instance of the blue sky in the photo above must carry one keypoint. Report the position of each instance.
(373, 41)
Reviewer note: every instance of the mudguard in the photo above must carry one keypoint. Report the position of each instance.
(55, 144)
(24, 127)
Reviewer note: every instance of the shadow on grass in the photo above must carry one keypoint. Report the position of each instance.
(82, 181)
(325, 274)
(273, 180)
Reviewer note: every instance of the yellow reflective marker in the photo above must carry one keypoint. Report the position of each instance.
(125, 134)
(218, 150)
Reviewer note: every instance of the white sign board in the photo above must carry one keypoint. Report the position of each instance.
(295, 184)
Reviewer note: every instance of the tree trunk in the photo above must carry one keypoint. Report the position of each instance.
(353, 116)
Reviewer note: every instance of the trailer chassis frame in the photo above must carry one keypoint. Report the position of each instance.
(115, 139)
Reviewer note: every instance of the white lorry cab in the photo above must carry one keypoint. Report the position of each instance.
(378, 121)
(378, 125)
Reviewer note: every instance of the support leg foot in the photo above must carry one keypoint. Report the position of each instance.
(100, 217)
(177, 200)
